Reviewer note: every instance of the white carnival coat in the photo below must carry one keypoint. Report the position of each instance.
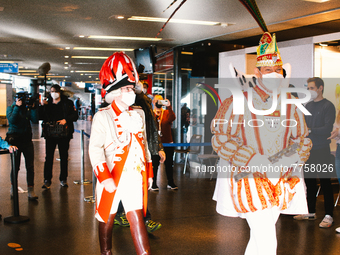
(111, 136)
(238, 143)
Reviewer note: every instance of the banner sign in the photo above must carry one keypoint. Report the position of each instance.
(9, 68)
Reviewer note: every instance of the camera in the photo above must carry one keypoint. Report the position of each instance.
(163, 102)
(26, 99)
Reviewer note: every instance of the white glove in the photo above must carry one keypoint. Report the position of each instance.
(109, 185)
(150, 181)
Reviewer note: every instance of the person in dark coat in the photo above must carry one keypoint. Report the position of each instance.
(20, 115)
(57, 110)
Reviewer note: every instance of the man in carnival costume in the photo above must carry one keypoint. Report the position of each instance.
(119, 154)
(261, 195)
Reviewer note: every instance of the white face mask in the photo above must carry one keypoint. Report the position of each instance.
(55, 95)
(272, 80)
(145, 90)
(313, 94)
(128, 98)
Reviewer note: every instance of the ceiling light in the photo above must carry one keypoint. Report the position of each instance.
(27, 71)
(90, 57)
(67, 48)
(316, 1)
(181, 21)
(107, 49)
(66, 63)
(124, 38)
(7, 61)
(119, 17)
(53, 76)
(31, 73)
(87, 71)
(187, 53)
(82, 36)
(66, 57)
(323, 44)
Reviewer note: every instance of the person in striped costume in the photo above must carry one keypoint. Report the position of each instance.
(245, 142)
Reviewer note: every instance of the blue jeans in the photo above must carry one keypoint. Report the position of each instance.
(337, 161)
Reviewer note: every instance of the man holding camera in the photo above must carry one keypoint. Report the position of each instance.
(19, 134)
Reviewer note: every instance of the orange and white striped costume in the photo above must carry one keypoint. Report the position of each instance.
(118, 149)
(250, 135)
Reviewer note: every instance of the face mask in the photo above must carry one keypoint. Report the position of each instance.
(272, 80)
(55, 95)
(128, 98)
(313, 95)
(145, 90)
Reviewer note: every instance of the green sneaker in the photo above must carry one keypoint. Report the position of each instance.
(121, 220)
(152, 226)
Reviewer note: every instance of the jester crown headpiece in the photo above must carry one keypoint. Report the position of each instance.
(268, 53)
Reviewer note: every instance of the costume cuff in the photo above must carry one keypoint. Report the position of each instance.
(243, 156)
(149, 169)
(102, 172)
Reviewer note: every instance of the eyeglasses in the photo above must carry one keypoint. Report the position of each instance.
(127, 89)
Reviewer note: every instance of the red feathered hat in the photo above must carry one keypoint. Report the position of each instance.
(117, 71)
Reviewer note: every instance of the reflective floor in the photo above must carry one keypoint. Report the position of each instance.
(62, 223)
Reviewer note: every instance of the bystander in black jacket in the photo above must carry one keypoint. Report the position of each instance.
(59, 111)
(63, 110)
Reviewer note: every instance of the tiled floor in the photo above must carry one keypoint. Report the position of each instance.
(62, 223)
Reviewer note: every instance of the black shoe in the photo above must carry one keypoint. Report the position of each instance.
(154, 188)
(172, 186)
(47, 184)
(63, 184)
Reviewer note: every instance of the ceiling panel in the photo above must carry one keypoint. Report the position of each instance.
(33, 32)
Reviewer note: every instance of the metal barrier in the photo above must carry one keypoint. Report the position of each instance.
(90, 199)
(16, 218)
(82, 160)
